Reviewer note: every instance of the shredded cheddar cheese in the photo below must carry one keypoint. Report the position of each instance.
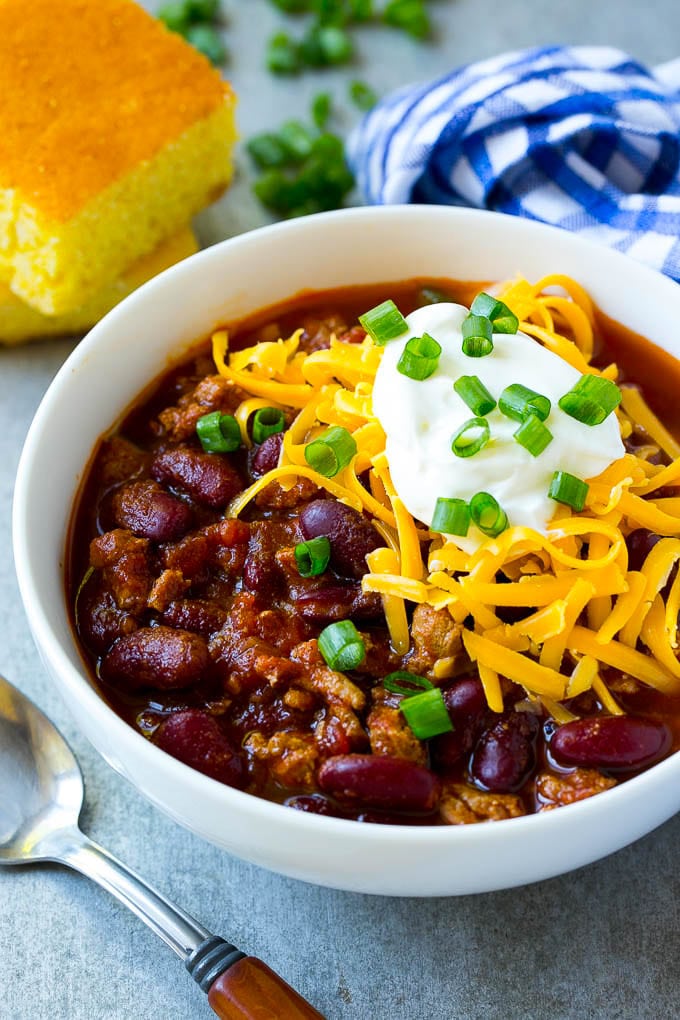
(582, 609)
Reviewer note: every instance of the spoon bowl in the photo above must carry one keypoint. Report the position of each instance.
(42, 792)
(41, 797)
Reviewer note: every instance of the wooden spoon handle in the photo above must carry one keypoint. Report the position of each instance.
(250, 990)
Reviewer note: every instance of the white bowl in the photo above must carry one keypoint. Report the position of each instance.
(130, 347)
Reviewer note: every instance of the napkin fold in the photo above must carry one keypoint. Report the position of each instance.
(582, 137)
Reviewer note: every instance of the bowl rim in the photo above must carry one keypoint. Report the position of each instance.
(548, 823)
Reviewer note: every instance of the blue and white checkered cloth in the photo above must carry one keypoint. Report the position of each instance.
(583, 137)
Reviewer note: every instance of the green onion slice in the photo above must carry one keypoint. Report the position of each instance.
(474, 393)
(218, 433)
(591, 400)
(471, 437)
(477, 336)
(568, 489)
(427, 714)
(488, 514)
(312, 557)
(451, 516)
(321, 109)
(420, 357)
(331, 452)
(533, 435)
(408, 684)
(267, 422)
(362, 95)
(342, 646)
(518, 402)
(504, 321)
(384, 322)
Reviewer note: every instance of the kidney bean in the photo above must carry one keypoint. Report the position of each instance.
(466, 704)
(314, 804)
(202, 616)
(265, 457)
(350, 534)
(618, 743)
(640, 543)
(100, 621)
(262, 573)
(380, 781)
(505, 754)
(338, 602)
(158, 657)
(195, 738)
(208, 478)
(149, 511)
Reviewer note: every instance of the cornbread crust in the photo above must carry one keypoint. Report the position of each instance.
(113, 133)
(19, 322)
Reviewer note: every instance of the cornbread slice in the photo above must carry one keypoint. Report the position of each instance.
(20, 322)
(113, 133)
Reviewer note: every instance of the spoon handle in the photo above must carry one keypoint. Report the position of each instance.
(239, 987)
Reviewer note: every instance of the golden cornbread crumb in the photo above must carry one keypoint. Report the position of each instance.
(113, 133)
(19, 322)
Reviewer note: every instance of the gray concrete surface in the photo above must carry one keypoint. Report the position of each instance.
(602, 942)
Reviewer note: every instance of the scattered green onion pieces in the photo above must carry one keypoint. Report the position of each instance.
(533, 435)
(384, 322)
(504, 321)
(518, 402)
(283, 55)
(207, 40)
(297, 140)
(408, 15)
(487, 514)
(331, 452)
(325, 45)
(267, 422)
(312, 557)
(451, 516)
(568, 489)
(404, 683)
(427, 714)
(420, 357)
(477, 336)
(342, 646)
(474, 393)
(471, 437)
(362, 95)
(591, 400)
(321, 109)
(218, 433)
(267, 150)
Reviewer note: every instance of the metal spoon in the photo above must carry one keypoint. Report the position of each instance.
(41, 797)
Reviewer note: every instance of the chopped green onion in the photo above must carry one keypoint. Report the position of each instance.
(331, 452)
(326, 45)
(504, 321)
(404, 683)
(267, 422)
(312, 557)
(408, 15)
(208, 41)
(297, 140)
(474, 393)
(283, 54)
(361, 10)
(342, 646)
(203, 10)
(518, 402)
(568, 489)
(471, 437)
(362, 95)
(293, 6)
(451, 516)
(420, 357)
(175, 16)
(384, 322)
(533, 435)
(591, 400)
(477, 336)
(427, 714)
(321, 109)
(487, 514)
(267, 150)
(218, 433)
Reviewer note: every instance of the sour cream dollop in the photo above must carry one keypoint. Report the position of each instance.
(420, 417)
